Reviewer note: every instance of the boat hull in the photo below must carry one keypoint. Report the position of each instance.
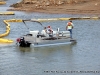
(37, 40)
(40, 42)
(54, 42)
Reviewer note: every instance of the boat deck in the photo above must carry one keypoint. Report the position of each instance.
(45, 41)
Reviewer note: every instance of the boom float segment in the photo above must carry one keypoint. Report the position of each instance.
(14, 20)
(7, 30)
(5, 40)
(7, 13)
(45, 20)
(62, 19)
(2, 2)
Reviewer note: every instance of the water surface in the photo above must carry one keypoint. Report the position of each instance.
(54, 60)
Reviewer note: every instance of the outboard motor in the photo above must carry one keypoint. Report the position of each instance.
(23, 43)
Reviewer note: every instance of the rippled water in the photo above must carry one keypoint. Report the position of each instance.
(54, 60)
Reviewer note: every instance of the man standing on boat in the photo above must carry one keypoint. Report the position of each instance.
(69, 27)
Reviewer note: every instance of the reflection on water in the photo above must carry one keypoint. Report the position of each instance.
(55, 48)
(27, 49)
(25, 60)
(47, 49)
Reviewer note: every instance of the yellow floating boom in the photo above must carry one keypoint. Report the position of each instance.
(8, 30)
(2, 2)
(62, 19)
(7, 13)
(5, 40)
(13, 20)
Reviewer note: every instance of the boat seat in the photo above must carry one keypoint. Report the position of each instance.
(40, 35)
(34, 33)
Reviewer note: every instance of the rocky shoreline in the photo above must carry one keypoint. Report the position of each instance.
(59, 7)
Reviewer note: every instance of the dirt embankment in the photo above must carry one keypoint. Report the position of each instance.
(59, 6)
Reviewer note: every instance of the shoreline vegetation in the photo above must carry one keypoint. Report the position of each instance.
(58, 6)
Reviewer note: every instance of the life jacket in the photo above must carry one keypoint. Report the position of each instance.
(70, 26)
